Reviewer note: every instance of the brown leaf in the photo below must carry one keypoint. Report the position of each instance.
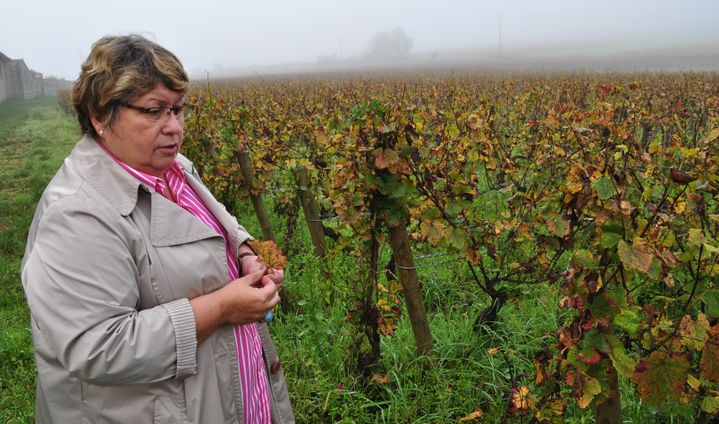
(680, 177)
(384, 158)
(634, 256)
(709, 364)
(661, 375)
(380, 379)
(269, 253)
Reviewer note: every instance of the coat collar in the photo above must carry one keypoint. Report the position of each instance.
(103, 174)
(170, 224)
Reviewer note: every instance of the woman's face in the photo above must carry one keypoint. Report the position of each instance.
(140, 142)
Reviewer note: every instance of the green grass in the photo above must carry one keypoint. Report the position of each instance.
(34, 138)
(463, 376)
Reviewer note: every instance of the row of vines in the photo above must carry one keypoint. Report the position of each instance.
(605, 187)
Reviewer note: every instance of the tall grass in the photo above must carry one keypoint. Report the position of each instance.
(34, 138)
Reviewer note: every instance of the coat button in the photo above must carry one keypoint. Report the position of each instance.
(275, 367)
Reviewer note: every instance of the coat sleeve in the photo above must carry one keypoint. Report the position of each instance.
(81, 286)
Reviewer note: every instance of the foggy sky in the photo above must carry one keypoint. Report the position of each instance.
(54, 36)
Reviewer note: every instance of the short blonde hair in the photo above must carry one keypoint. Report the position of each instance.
(118, 69)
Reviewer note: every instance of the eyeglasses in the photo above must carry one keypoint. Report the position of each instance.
(162, 113)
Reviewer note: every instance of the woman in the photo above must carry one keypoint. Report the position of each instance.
(127, 266)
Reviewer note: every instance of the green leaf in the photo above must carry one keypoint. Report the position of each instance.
(560, 226)
(585, 258)
(655, 269)
(395, 216)
(628, 320)
(459, 239)
(624, 363)
(611, 234)
(696, 237)
(711, 300)
(657, 192)
(710, 248)
(454, 209)
(604, 187)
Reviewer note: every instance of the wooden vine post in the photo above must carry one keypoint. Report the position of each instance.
(248, 173)
(410, 287)
(610, 411)
(312, 215)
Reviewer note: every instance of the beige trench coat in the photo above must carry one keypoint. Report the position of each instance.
(108, 272)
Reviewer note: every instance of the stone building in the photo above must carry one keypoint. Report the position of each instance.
(19, 81)
(52, 85)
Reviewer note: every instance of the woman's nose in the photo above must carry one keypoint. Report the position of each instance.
(173, 124)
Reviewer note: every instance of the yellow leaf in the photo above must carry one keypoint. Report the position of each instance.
(521, 398)
(713, 134)
(590, 388)
(710, 404)
(492, 351)
(680, 207)
(634, 256)
(574, 182)
(694, 334)
(693, 382)
(472, 417)
(539, 373)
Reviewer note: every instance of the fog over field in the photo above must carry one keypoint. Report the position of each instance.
(222, 37)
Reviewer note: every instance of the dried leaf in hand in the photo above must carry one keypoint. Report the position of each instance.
(269, 253)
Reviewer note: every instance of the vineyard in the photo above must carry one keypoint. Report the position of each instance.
(596, 193)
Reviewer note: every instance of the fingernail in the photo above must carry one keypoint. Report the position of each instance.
(269, 316)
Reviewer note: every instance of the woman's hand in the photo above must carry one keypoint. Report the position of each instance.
(252, 264)
(249, 298)
(242, 301)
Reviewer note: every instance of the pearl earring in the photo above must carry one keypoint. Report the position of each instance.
(101, 132)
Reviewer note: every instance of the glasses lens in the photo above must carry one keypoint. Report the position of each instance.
(155, 113)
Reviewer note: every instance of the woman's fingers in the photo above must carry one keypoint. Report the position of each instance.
(253, 277)
(276, 275)
(249, 298)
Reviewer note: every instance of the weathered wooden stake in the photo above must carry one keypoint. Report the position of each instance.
(610, 411)
(312, 215)
(248, 172)
(410, 287)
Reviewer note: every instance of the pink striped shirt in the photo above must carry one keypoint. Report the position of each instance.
(255, 392)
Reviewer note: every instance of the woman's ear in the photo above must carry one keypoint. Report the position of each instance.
(98, 125)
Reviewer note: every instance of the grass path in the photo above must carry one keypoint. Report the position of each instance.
(35, 136)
